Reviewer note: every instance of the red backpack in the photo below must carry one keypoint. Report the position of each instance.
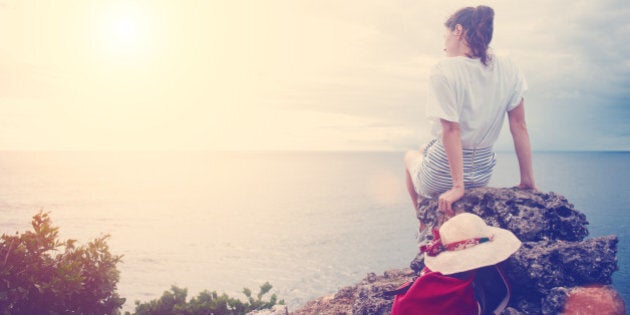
(481, 291)
(434, 293)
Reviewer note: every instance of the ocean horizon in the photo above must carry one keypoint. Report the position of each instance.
(309, 222)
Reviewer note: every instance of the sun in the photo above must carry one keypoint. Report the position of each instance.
(123, 29)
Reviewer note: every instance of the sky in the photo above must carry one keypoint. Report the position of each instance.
(292, 74)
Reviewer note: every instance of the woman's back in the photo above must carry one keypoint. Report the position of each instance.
(475, 95)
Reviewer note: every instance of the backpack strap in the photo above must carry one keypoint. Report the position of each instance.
(492, 290)
(401, 290)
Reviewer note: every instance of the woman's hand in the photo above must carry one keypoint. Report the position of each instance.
(447, 199)
(526, 186)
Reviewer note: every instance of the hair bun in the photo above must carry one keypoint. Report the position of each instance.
(482, 16)
(478, 25)
(482, 24)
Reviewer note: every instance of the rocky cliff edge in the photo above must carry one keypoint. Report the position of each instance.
(557, 270)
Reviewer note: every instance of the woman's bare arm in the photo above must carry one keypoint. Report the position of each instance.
(451, 138)
(522, 145)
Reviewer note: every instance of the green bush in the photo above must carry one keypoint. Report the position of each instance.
(173, 302)
(41, 275)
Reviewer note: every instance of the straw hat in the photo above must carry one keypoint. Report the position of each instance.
(465, 243)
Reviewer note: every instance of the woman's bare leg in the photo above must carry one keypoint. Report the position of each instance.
(411, 190)
(412, 158)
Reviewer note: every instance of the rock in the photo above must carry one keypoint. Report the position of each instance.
(542, 266)
(531, 216)
(594, 300)
(370, 298)
(545, 273)
(366, 297)
(597, 299)
(275, 310)
(337, 304)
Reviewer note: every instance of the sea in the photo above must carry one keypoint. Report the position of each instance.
(309, 223)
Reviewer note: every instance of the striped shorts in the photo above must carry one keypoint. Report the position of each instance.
(432, 176)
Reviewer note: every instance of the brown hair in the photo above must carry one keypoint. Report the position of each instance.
(478, 26)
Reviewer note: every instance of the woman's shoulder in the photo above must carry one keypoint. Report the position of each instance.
(504, 61)
(460, 61)
(450, 62)
(448, 66)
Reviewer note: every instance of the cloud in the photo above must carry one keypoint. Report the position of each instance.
(582, 78)
(574, 60)
(591, 38)
(218, 66)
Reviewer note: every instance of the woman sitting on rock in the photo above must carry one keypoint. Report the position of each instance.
(469, 95)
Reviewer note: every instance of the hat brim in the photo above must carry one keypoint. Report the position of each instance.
(504, 244)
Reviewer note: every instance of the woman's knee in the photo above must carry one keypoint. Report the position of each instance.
(411, 158)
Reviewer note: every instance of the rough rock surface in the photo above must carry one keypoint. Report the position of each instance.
(597, 299)
(363, 298)
(555, 258)
(275, 310)
(531, 216)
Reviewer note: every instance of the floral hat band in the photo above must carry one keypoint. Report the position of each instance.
(436, 247)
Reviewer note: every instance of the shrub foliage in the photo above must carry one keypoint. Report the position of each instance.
(41, 275)
(173, 302)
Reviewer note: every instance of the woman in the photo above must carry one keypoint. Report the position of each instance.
(469, 95)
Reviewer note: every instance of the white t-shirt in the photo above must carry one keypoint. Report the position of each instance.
(477, 97)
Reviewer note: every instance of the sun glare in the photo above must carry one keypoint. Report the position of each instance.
(124, 30)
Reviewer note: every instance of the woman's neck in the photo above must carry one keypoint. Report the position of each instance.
(464, 51)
